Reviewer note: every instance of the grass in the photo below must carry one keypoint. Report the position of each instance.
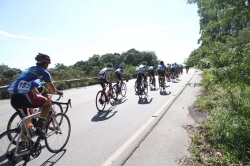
(224, 139)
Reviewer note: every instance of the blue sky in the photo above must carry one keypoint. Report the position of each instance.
(74, 30)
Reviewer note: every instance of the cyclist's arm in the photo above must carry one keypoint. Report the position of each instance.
(52, 88)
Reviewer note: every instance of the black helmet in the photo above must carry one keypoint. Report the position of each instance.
(109, 64)
(161, 62)
(40, 58)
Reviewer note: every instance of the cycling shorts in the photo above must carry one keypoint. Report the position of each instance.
(172, 70)
(161, 73)
(27, 100)
(103, 82)
(151, 73)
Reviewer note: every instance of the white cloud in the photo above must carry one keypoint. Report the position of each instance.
(7, 36)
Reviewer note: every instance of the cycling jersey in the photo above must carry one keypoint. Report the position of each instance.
(29, 79)
(119, 73)
(141, 69)
(105, 73)
(162, 68)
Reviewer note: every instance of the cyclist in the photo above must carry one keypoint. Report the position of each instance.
(141, 72)
(27, 87)
(104, 79)
(187, 68)
(161, 73)
(151, 73)
(119, 73)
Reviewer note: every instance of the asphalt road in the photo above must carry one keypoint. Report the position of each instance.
(112, 136)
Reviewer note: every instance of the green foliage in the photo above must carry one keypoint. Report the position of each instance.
(225, 45)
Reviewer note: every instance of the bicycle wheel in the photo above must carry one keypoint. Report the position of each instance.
(58, 132)
(7, 149)
(123, 89)
(57, 108)
(141, 90)
(145, 88)
(100, 105)
(135, 86)
(113, 96)
(13, 123)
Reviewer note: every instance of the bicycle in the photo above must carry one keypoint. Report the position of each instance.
(57, 127)
(161, 85)
(152, 83)
(174, 78)
(102, 99)
(123, 88)
(15, 119)
(143, 89)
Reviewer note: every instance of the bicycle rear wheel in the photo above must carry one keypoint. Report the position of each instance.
(100, 105)
(13, 123)
(8, 148)
(135, 87)
(123, 89)
(58, 133)
(113, 96)
(145, 88)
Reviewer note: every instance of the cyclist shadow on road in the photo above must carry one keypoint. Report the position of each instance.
(54, 158)
(145, 101)
(104, 115)
(164, 93)
(120, 101)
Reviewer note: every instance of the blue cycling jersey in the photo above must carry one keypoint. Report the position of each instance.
(162, 67)
(29, 79)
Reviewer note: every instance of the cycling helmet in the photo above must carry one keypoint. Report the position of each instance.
(42, 58)
(161, 62)
(121, 66)
(144, 63)
(109, 64)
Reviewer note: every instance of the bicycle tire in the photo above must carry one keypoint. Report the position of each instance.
(141, 90)
(123, 89)
(100, 106)
(57, 108)
(13, 123)
(113, 96)
(145, 88)
(135, 87)
(7, 153)
(55, 135)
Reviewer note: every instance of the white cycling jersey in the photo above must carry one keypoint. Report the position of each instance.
(141, 69)
(105, 73)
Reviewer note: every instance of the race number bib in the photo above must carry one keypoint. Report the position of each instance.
(24, 86)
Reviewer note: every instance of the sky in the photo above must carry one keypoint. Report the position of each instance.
(73, 30)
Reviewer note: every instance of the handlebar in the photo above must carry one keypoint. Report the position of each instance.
(63, 103)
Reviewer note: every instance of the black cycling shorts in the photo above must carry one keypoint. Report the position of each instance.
(103, 82)
(151, 73)
(161, 73)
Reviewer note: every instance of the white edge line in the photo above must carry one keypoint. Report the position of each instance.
(119, 151)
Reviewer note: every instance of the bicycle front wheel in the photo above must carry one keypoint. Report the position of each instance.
(10, 154)
(58, 133)
(100, 105)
